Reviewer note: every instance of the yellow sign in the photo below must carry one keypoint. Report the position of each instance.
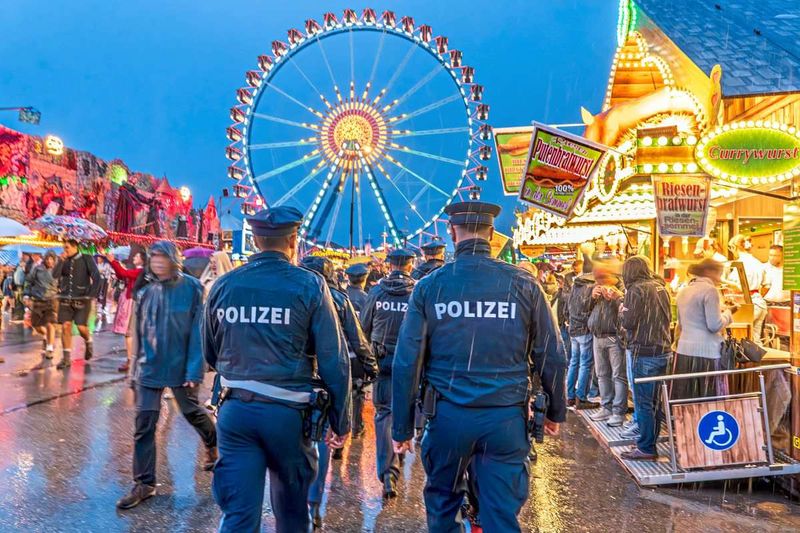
(511, 146)
(53, 145)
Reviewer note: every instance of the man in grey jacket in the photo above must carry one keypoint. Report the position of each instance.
(40, 296)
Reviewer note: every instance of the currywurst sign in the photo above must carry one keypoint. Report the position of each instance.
(558, 169)
(681, 205)
(751, 152)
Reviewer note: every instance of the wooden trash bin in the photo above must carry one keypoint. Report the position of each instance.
(733, 427)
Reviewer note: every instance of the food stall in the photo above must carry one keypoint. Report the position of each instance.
(703, 144)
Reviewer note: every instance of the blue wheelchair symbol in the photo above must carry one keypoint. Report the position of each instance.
(718, 430)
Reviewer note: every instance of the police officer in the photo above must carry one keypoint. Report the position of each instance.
(382, 315)
(363, 369)
(356, 280)
(434, 258)
(475, 331)
(261, 322)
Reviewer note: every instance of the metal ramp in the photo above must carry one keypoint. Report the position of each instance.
(649, 473)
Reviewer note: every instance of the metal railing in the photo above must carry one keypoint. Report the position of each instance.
(762, 394)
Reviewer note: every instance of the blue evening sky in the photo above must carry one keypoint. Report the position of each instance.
(152, 82)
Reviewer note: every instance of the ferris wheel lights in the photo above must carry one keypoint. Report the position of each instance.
(253, 78)
(482, 112)
(485, 132)
(264, 63)
(467, 74)
(476, 92)
(485, 152)
(233, 133)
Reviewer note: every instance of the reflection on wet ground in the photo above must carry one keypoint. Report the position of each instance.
(64, 463)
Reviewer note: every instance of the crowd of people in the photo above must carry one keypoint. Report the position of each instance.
(289, 338)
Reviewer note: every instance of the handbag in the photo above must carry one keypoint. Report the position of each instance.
(730, 351)
(750, 351)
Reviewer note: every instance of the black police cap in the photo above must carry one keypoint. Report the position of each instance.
(358, 270)
(321, 265)
(276, 221)
(472, 213)
(400, 256)
(433, 247)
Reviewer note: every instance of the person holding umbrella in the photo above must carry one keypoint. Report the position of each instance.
(78, 283)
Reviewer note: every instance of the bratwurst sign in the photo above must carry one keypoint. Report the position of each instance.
(559, 167)
(681, 204)
(751, 153)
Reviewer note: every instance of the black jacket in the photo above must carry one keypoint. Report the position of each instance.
(357, 297)
(604, 316)
(383, 313)
(362, 361)
(426, 268)
(646, 316)
(78, 277)
(580, 305)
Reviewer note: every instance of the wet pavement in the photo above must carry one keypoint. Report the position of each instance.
(64, 462)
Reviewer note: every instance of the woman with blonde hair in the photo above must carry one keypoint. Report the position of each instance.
(701, 318)
(219, 264)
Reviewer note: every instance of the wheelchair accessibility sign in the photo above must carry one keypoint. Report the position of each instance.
(718, 430)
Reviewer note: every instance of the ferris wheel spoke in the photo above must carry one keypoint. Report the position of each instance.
(311, 214)
(325, 59)
(399, 70)
(279, 120)
(295, 100)
(287, 144)
(405, 149)
(422, 110)
(410, 203)
(416, 87)
(311, 156)
(302, 183)
(339, 195)
(396, 134)
(387, 214)
(303, 74)
(357, 184)
(398, 164)
(352, 59)
(377, 58)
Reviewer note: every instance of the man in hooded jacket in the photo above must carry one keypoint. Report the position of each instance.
(581, 362)
(167, 352)
(645, 316)
(382, 316)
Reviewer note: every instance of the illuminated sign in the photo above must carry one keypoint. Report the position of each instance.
(682, 205)
(53, 145)
(751, 153)
(511, 146)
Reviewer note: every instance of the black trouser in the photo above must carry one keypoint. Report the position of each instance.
(148, 405)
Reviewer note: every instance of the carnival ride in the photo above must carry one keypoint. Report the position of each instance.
(368, 124)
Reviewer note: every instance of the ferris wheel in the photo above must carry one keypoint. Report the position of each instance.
(369, 125)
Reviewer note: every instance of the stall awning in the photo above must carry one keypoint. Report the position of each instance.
(575, 234)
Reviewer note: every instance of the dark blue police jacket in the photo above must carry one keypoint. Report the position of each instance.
(364, 364)
(426, 268)
(383, 313)
(263, 319)
(472, 329)
(168, 316)
(357, 297)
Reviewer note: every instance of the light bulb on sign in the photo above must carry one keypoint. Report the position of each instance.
(186, 194)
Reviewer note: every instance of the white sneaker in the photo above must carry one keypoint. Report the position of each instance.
(604, 414)
(615, 421)
(629, 424)
(632, 432)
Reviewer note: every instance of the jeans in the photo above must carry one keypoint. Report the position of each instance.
(646, 402)
(611, 377)
(566, 340)
(579, 373)
(629, 373)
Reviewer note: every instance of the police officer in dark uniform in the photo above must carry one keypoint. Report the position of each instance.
(434, 258)
(476, 330)
(381, 317)
(261, 322)
(356, 280)
(363, 369)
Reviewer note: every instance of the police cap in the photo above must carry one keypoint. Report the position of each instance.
(472, 213)
(356, 271)
(400, 256)
(275, 221)
(321, 265)
(433, 247)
